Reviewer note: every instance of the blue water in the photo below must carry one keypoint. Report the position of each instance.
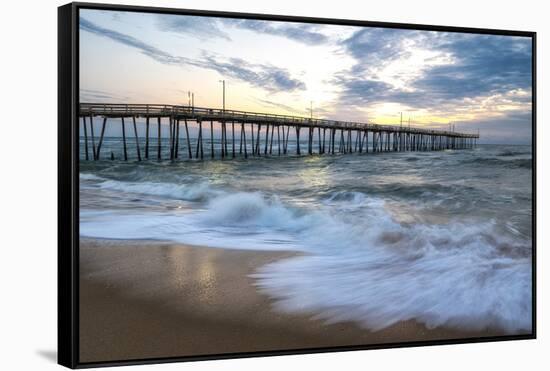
(441, 237)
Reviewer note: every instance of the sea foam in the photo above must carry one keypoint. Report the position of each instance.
(358, 263)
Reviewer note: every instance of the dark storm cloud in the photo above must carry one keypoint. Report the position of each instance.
(265, 76)
(487, 64)
(362, 91)
(375, 45)
(483, 65)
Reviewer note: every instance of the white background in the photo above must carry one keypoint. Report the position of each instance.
(28, 155)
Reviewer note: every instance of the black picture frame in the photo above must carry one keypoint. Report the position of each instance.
(68, 181)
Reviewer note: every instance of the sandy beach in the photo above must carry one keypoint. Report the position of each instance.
(146, 299)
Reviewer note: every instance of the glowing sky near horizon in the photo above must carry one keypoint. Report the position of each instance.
(349, 73)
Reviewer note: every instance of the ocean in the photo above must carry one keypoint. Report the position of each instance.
(443, 238)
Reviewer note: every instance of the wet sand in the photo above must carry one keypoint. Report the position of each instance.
(150, 299)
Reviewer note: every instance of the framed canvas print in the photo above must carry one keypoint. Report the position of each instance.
(236, 185)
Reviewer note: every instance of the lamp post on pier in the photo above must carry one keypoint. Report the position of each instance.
(223, 90)
(191, 97)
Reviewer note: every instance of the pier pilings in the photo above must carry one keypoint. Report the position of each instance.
(352, 137)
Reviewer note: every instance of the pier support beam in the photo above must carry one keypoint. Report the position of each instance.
(199, 142)
(271, 141)
(124, 140)
(211, 139)
(298, 140)
(266, 138)
(243, 136)
(333, 137)
(159, 139)
(324, 137)
(94, 155)
(177, 122)
(171, 137)
(279, 141)
(85, 138)
(189, 150)
(137, 141)
(258, 140)
(147, 137)
(233, 137)
(101, 137)
(286, 140)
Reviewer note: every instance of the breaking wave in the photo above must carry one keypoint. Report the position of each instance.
(369, 269)
(381, 240)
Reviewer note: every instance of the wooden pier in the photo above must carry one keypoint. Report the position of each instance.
(253, 134)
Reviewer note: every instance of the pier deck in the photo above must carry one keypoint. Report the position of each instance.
(343, 136)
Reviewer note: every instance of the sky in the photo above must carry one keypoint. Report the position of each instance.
(364, 74)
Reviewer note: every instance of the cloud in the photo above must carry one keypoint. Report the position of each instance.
(264, 76)
(303, 33)
(485, 64)
(91, 95)
(450, 67)
(362, 91)
(200, 27)
(211, 27)
(370, 46)
(130, 41)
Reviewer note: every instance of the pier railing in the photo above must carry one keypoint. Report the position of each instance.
(228, 115)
